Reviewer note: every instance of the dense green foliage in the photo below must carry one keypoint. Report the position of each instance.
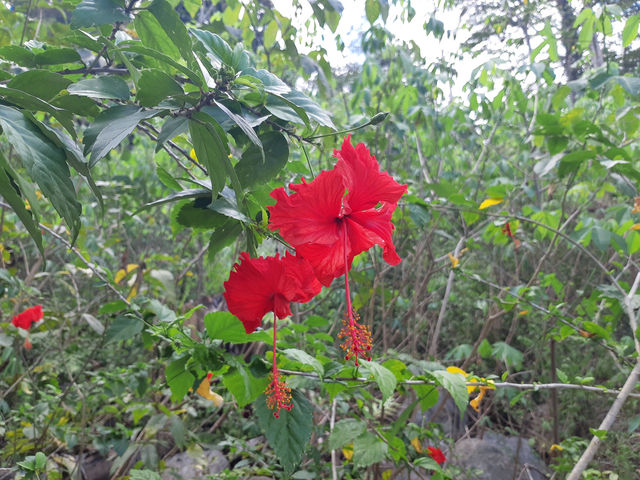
(140, 142)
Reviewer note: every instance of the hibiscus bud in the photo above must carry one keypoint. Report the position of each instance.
(378, 118)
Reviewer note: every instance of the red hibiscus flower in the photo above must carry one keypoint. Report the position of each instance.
(31, 315)
(260, 285)
(437, 455)
(340, 214)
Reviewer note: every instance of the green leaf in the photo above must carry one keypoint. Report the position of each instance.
(368, 449)
(11, 195)
(173, 26)
(254, 168)
(178, 378)
(372, 9)
(427, 395)
(484, 349)
(101, 87)
(123, 328)
(195, 214)
(145, 474)
(139, 49)
(215, 46)
(226, 327)
(40, 83)
(57, 56)
(243, 124)
(167, 179)
(111, 127)
(270, 33)
(45, 163)
(572, 162)
(82, 106)
(176, 197)
(40, 460)
(74, 155)
(427, 463)
(511, 356)
(456, 385)
(345, 431)
(153, 36)
(244, 387)
(173, 127)
(592, 327)
(97, 12)
(385, 379)
(20, 55)
(30, 102)
(630, 30)
(601, 238)
(634, 423)
(210, 143)
(223, 236)
(305, 359)
(288, 435)
(155, 86)
(630, 84)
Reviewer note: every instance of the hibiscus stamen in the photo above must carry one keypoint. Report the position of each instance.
(278, 393)
(357, 337)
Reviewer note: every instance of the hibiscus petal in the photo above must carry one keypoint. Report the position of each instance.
(367, 186)
(260, 285)
(309, 215)
(327, 260)
(250, 289)
(299, 272)
(378, 227)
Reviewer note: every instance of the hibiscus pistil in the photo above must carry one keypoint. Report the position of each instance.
(278, 393)
(357, 337)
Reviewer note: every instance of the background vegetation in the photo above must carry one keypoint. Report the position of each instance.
(140, 143)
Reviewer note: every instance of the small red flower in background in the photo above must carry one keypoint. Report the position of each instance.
(437, 455)
(340, 214)
(260, 285)
(506, 229)
(31, 315)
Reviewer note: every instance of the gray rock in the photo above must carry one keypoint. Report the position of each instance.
(185, 467)
(498, 457)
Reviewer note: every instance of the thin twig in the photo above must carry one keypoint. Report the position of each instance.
(520, 386)
(89, 265)
(433, 348)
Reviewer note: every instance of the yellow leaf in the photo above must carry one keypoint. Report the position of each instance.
(193, 154)
(415, 442)
(556, 448)
(635, 226)
(454, 261)
(453, 369)
(124, 272)
(132, 293)
(523, 312)
(386, 475)
(490, 202)
(204, 390)
(347, 451)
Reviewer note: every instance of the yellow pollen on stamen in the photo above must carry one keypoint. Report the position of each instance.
(357, 338)
(278, 395)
